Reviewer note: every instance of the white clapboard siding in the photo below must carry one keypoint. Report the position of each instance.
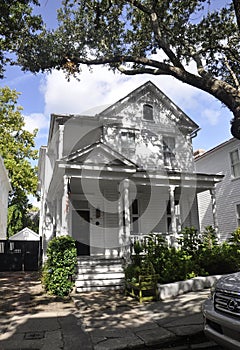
(217, 161)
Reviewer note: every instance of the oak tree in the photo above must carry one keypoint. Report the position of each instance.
(186, 39)
(17, 26)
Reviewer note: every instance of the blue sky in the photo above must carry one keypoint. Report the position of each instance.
(44, 94)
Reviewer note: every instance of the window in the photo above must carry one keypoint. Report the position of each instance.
(235, 163)
(169, 151)
(238, 214)
(128, 141)
(135, 217)
(148, 112)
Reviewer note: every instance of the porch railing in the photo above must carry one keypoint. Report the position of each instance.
(169, 238)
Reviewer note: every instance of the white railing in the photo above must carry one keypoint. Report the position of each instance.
(169, 238)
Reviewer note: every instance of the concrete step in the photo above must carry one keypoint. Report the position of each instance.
(97, 261)
(99, 269)
(95, 273)
(98, 288)
(99, 283)
(99, 276)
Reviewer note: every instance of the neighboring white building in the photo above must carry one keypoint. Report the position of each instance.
(5, 188)
(26, 234)
(223, 159)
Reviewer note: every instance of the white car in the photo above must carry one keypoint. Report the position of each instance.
(222, 312)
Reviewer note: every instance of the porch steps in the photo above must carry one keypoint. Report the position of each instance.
(97, 274)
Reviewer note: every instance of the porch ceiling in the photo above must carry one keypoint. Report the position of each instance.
(201, 182)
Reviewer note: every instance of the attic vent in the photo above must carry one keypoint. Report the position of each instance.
(147, 112)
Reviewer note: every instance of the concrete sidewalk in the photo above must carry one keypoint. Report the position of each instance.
(30, 319)
(116, 322)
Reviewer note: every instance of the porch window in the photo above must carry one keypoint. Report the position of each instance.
(127, 141)
(169, 151)
(135, 217)
(147, 112)
(238, 214)
(235, 163)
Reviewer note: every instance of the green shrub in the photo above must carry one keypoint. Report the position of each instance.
(190, 240)
(235, 237)
(60, 266)
(198, 255)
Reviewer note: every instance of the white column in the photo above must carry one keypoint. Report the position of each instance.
(214, 210)
(124, 220)
(126, 209)
(65, 207)
(58, 216)
(120, 224)
(173, 214)
(60, 143)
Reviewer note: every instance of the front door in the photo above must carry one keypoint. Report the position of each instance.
(81, 232)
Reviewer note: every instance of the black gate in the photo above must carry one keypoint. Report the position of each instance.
(20, 255)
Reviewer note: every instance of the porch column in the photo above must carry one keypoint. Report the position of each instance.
(214, 210)
(120, 225)
(126, 226)
(173, 214)
(60, 144)
(58, 217)
(65, 207)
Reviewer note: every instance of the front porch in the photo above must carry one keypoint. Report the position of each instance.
(106, 215)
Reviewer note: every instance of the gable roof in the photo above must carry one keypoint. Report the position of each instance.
(26, 234)
(181, 117)
(214, 149)
(98, 153)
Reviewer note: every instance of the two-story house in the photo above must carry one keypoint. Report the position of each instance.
(119, 171)
(223, 159)
(5, 188)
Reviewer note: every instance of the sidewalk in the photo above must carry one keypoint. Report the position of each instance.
(116, 322)
(29, 319)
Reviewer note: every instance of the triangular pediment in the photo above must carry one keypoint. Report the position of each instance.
(25, 234)
(150, 93)
(99, 154)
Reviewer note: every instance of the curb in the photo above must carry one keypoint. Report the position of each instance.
(171, 290)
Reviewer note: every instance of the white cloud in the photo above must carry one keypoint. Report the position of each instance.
(103, 86)
(40, 122)
(212, 116)
(36, 121)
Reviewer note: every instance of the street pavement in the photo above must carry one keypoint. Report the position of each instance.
(30, 319)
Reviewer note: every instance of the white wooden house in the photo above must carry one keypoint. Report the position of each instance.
(26, 234)
(116, 172)
(223, 159)
(5, 188)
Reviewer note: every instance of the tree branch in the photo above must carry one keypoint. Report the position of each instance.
(236, 81)
(157, 32)
(236, 4)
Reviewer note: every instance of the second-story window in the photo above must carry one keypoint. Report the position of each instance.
(169, 151)
(127, 141)
(147, 112)
(235, 163)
